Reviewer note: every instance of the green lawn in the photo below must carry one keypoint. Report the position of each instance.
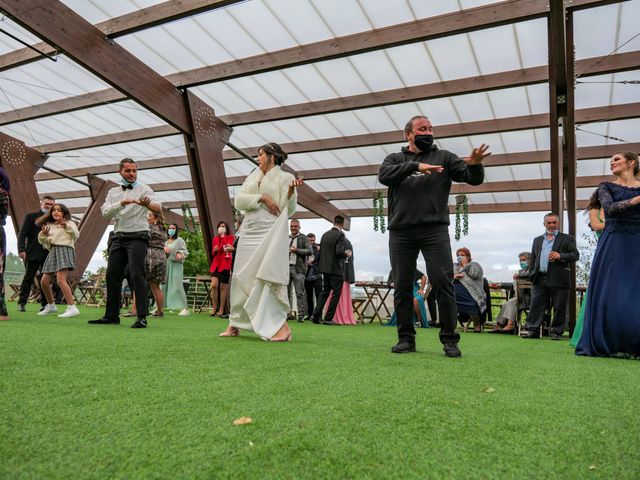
(104, 402)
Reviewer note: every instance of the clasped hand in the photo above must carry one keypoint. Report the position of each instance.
(143, 201)
(553, 256)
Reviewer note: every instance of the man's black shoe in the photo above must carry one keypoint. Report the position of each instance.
(330, 323)
(452, 350)
(316, 321)
(21, 307)
(555, 336)
(104, 321)
(530, 334)
(403, 347)
(141, 323)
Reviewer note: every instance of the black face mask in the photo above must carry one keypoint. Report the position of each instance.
(423, 142)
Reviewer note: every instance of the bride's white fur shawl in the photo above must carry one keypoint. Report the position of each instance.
(274, 184)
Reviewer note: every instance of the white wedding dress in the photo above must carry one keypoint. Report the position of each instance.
(259, 299)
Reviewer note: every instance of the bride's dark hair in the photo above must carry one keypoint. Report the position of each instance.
(274, 149)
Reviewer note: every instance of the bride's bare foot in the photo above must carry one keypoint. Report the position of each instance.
(282, 335)
(230, 332)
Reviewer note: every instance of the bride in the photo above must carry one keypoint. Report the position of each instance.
(259, 299)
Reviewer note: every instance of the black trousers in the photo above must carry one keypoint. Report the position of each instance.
(543, 296)
(404, 246)
(313, 289)
(131, 252)
(31, 269)
(333, 284)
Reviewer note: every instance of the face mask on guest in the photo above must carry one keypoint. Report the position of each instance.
(222, 230)
(44, 210)
(459, 258)
(524, 265)
(171, 232)
(423, 142)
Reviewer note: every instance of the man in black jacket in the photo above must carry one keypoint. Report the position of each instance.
(551, 257)
(419, 180)
(31, 252)
(331, 265)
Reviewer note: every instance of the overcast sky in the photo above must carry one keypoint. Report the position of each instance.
(495, 239)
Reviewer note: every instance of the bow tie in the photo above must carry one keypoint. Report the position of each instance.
(128, 186)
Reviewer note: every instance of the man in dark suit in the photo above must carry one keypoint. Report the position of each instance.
(551, 257)
(31, 252)
(331, 265)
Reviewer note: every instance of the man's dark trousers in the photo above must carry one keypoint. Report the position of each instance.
(127, 249)
(313, 289)
(333, 284)
(404, 246)
(542, 295)
(31, 269)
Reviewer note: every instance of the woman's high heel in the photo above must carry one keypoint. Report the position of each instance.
(284, 339)
(230, 332)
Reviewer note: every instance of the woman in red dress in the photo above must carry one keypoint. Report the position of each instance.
(221, 248)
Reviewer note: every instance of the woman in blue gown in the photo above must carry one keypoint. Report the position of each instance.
(612, 319)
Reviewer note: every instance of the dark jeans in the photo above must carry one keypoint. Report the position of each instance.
(404, 246)
(131, 252)
(31, 269)
(313, 289)
(542, 295)
(331, 283)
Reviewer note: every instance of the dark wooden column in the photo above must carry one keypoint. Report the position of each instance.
(557, 100)
(204, 150)
(570, 158)
(21, 164)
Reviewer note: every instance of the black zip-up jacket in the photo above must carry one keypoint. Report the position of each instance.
(416, 199)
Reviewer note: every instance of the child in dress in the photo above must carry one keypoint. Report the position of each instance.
(58, 235)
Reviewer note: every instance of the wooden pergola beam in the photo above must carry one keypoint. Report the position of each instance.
(514, 78)
(504, 159)
(123, 25)
(507, 124)
(473, 208)
(487, 187)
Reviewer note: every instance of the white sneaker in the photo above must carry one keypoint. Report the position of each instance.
(71, 311)
(184, 312)
(49, 309)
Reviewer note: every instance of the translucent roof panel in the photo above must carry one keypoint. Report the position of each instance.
(111, 154)
(95, 11)
(105, 119)
(8, 44)
(593, 29)
(45, 81)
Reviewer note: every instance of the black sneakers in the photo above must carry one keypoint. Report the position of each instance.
(403, 347)
(140, 323)
(104, 321)
(451, 350)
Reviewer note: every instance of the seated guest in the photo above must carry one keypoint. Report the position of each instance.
(468, 284)
(420, 315)
(508, 316)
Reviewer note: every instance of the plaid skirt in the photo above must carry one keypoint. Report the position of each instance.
(59, 258)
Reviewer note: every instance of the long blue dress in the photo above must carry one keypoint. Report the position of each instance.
(612, 317)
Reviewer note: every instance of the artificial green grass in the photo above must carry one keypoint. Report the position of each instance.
(84, 401)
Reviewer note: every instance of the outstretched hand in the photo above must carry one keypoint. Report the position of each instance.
(296, 183)
(477, 155)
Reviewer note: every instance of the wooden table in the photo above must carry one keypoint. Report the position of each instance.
(376, 293)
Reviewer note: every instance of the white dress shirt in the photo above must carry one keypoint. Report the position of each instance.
(132, 217)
